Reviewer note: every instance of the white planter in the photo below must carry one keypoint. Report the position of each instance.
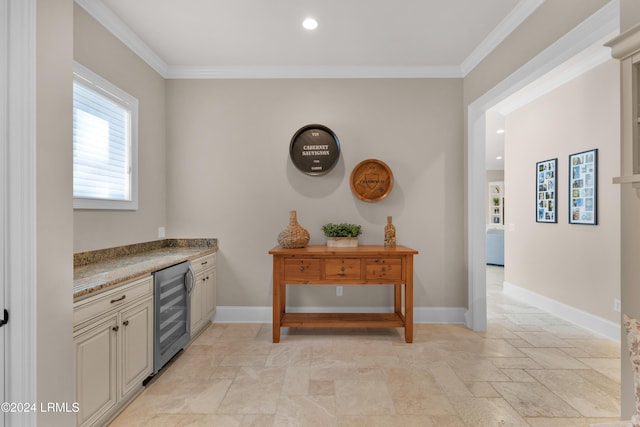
(342, 242)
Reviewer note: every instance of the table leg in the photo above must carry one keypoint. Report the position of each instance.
(277, 309)
(408, 302)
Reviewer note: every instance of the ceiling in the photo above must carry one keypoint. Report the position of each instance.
(354, 39)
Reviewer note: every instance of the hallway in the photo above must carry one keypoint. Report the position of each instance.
(528, 369)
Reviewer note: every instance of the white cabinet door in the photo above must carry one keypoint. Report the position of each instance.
(209, 294)
(96, 378)
(136, 334)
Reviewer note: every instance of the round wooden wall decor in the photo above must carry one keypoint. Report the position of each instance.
(371, 180)
(314, 149)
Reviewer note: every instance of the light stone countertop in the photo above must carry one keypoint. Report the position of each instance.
(96, 271)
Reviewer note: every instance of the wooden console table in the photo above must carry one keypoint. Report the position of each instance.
(322, 265)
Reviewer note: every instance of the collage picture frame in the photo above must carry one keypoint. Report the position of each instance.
(546, 191)
(583, 187)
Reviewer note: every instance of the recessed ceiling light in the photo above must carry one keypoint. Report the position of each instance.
(499, 158)
(500, 131)
(310, 24)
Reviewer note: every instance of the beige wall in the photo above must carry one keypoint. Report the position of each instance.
(230, 176)
(578, 265)
(55, 379)
(96, 48)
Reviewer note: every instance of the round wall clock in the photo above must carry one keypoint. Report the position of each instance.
(371, 180)
(314, 149)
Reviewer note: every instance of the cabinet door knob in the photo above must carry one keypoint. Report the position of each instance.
(125, 323)
(384, 269)
(115, 328)
(301, 268)
(342, 269)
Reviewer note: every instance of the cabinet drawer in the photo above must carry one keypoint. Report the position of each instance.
(95, 306)
(347, 268)
(203, 263)
(301, 269)
(386, 268)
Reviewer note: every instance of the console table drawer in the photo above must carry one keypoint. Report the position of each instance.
(347, 268)
(301, 269)
(384, 268)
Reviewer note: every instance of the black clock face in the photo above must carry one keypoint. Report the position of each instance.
(314, 149)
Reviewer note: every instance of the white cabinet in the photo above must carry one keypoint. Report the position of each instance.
(113, 345)
(203, 296)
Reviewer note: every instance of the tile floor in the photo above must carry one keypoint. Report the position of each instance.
(529, 369)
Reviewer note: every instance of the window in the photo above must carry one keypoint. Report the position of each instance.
(104, 144)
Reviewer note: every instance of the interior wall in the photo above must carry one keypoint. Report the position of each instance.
(55, 379)
(578, 265)
(97, 49)
(631, 14)
(230, 177)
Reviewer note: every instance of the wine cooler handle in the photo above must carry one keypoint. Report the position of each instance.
(190, 283)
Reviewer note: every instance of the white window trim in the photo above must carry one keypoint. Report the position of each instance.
(108, 89)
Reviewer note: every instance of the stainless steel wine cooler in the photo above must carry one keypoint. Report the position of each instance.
(172, 308)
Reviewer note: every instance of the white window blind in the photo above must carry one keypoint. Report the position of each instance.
(104, 144)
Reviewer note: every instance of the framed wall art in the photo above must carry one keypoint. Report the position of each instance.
(583, 188)
(546, 191)
(314, 149)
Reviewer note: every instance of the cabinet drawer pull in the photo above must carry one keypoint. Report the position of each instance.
(125, 323)
(115, 328)
(118, 299)
(204, 263)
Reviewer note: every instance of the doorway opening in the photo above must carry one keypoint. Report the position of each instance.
(539, 74)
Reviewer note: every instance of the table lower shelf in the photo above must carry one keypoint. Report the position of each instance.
(343, 320)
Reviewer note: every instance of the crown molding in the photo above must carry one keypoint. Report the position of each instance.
(626, 43)
(521, 12)
(326, 72)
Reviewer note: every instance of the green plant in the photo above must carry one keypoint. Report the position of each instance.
(341, 230)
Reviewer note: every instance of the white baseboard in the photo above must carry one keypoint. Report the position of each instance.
(426, 315)
(571, 314)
